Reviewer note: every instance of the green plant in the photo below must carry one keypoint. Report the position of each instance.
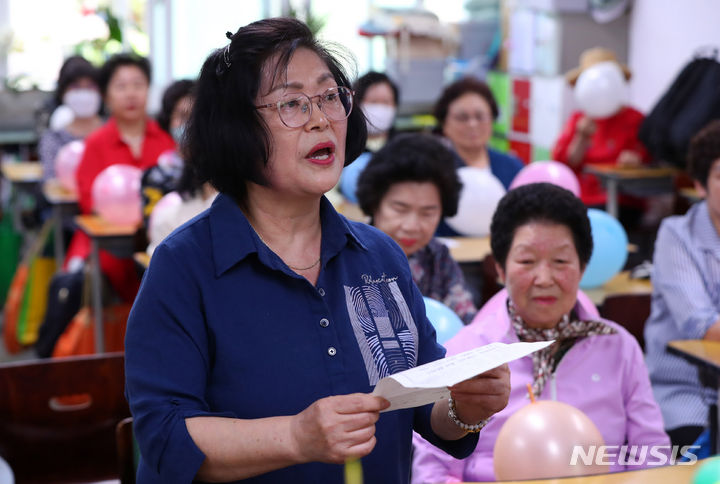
(315, 23)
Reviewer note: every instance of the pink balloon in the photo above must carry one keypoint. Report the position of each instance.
(116, 194)
(67, 161)
(550, 172)
(537, 442)
(167, 203)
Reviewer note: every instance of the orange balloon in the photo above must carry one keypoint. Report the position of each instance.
(537, 442)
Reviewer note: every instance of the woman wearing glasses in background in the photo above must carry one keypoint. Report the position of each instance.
(262, 324)
(465, 113)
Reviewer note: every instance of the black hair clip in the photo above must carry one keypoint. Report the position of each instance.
(224, 66)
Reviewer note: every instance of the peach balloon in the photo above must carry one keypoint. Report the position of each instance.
(537, 442)
(116, 194)
(67, 161)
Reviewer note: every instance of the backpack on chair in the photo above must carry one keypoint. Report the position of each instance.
(64, 300)
(692, 101)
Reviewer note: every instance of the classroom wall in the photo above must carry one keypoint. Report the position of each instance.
(4, 35)
(664, 34)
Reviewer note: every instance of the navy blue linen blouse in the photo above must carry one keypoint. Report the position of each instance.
(222, 327)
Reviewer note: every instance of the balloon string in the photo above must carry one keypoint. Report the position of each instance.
(530, 393)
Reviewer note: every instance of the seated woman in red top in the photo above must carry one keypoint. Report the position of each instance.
(129, 137)
(604, 140)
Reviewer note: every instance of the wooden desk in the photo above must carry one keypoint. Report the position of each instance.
(655, 180)
(351, 211)
(142, 259)
(22, 171)
(467, 249)
(22, 175)
(677, 474)
(63, 203)
(619, 284)
(118, 239)
(692, 194)
(706, 356)
(699, 351)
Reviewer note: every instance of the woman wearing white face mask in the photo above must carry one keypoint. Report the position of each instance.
(377, 95)
(79, 97)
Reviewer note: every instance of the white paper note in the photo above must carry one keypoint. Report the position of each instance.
(429, 383)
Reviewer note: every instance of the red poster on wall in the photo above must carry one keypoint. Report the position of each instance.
(522, 150)
(521, 105)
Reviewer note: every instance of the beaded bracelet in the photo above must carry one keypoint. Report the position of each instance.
(473, 429)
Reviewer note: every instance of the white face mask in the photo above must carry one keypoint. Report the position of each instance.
(83, 102)
(380, 117)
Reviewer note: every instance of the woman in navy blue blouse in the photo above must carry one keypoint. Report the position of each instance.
(263, 323)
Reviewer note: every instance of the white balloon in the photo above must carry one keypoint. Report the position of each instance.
(61, 117)
(163, 209)
(601, 90)
(479, 197)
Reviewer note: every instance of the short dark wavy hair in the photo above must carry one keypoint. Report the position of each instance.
(540, 202)
(227, 138)
(74, 68)
(107, 71)
(409, 157)
(173, 93)
(704, 150)
(458, 89)
(364, 82)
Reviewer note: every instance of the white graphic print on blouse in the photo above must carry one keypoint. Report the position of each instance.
(384, 328)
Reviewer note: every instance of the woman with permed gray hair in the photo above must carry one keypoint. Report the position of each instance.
(263, 324)
(406, 189)
(541, 240)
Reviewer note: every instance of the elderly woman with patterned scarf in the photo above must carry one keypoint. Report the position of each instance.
(542, 242)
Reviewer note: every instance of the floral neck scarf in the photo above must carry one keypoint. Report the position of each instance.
(565, 333)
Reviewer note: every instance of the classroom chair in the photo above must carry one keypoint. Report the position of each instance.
(629, 311)
(58, 418)
(128, 452)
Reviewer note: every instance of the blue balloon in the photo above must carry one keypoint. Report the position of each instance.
(443, 319)
(708, 472)
(609, 249)
(350, 175)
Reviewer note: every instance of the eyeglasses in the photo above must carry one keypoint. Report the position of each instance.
(463, 117)
(295, 110)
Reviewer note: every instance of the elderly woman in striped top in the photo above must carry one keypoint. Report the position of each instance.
(686, 294)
